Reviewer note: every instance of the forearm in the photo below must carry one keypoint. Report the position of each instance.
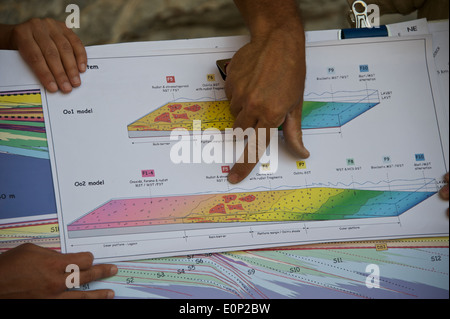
(5, 37)
(264, 16)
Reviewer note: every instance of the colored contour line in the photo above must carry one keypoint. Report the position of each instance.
(22, 128)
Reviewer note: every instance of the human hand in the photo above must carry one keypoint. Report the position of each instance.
(444, 191)
(55, 53)
(30, 271)
(265, 86)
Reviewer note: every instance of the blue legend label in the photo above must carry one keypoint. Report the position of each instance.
(364, 68)
(420, 157)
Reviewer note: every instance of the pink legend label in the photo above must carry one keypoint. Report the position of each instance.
(148, 173)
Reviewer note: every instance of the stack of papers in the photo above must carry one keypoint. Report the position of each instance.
(375, 121)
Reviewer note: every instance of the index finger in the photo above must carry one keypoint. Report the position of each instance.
(292, 129)
(257, 144)
(88, 271)
(97, 272)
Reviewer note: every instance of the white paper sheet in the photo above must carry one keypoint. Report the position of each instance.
(387, 148)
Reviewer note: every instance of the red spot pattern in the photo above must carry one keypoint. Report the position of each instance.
(229, 198)
(193, 108)
(163, 118)
(174, 107)
(218, 209)
(237, 207)
(249, 198)
(181, 116)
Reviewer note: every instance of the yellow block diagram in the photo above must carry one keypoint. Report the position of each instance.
(180, 115)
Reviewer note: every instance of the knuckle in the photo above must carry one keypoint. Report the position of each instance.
(35, 21)
(86, 259)
(66, 47)
(254, 104)
(19, 31)
(89, 256)
(51, 52)
(54, 287)
(61, 25)
(84, 295)
(75, 39)
(272, 119)
(48, 21)
(27, 246)
(33, 58)
(90, 276)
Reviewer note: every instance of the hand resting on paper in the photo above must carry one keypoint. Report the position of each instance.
(29, 271)
(54, 53)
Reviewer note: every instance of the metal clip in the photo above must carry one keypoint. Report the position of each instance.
(358, 17)
(222, 65)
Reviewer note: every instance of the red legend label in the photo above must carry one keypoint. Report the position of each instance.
(170, 79)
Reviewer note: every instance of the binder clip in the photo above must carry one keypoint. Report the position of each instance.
(358, 15)
(363, 28)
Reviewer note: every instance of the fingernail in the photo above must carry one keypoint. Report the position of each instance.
(110, 294)
(66, 87)
(82, 67)
(113, 270)
(307, 153)
(52, 87)
(76, 80)
(233, 178)
(304, 153)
